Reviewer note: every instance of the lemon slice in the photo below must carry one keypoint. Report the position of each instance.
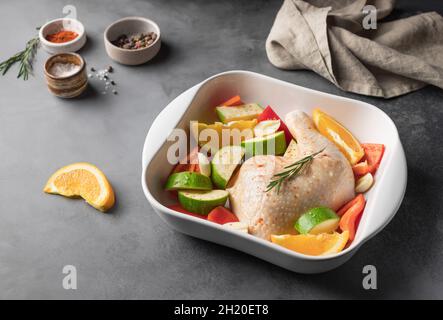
(313, 245)
(82, 180)
(339, 135)
(214, 136)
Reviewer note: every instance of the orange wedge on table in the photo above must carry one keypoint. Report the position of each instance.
(313, 245)
(82, 180)
(339, 135)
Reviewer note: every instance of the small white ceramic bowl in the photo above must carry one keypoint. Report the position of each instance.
(131, 26)
(366, 121)
(56, 25)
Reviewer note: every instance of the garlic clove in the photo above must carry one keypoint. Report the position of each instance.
(364, 183)
(266, 127)
(239, 226)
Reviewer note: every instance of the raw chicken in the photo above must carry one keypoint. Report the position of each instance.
(328, 181)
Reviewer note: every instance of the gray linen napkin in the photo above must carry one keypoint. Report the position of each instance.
(327, 36)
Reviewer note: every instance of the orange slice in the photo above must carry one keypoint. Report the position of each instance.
(82, 180)
(339, 135)
(313, 245)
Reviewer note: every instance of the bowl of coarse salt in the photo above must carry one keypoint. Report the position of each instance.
(65, 75)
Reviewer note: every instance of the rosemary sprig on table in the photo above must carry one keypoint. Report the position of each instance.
(24, 58)
(292, 170)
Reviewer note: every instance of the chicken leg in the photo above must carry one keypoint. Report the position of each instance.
(328, 181)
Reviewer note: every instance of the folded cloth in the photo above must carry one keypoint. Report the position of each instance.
(328, 37)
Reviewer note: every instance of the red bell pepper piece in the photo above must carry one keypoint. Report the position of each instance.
(350, 214)
(190, 163)
(234, 101)
(269, 114)
(221, 215)
(179, 208)
(373, 155)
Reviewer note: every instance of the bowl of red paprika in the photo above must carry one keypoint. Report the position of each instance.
(62, 35)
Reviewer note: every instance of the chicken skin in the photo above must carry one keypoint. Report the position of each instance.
(328, 181)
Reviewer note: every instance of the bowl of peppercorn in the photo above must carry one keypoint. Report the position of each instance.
(132, 40)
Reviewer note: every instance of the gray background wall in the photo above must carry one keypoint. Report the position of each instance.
(131, 253)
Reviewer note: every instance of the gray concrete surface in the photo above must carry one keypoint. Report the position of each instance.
(131, 253)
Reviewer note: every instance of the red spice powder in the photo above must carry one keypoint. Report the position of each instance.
(62, 36)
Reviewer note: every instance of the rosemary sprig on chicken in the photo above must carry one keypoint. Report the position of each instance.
(292, 170)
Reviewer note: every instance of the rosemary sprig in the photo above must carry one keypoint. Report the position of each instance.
(24, 58)
(292, 170)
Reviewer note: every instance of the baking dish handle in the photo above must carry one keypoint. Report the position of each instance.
(390, 197)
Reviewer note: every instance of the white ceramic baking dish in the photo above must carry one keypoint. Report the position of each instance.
(367, 122)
